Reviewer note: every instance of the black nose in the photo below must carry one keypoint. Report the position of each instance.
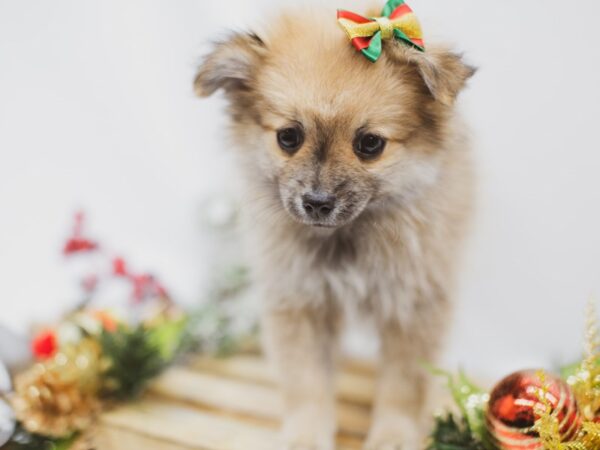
(318, 205)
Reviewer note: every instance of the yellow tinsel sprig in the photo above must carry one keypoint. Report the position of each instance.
(585, 381)
(547, 424)
(585, 385)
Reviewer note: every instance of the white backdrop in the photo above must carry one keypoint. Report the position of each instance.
(97, 111)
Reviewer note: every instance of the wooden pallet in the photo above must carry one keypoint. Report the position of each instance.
(225, 404)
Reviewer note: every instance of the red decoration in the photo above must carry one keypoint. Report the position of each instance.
(144, 285)
(512, 410)
(77, 243)
(119, 267)
(44, 345)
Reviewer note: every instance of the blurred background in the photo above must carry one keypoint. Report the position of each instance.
(97, 113)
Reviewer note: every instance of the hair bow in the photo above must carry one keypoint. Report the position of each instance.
(397, 21)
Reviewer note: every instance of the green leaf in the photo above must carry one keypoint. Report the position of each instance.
(470, 399)
(24, 440)
(448, 434)
(167, 337)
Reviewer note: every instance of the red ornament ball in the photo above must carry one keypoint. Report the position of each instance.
(512, 407)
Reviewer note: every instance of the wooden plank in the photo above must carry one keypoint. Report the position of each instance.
(188, 427)
(354, 383)
(224, 404)
(216, 392)
(154, 424)
(355, 388)
(242, 397)
(243, 367)
(110, 437)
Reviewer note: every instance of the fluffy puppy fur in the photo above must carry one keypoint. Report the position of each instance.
(386, 245)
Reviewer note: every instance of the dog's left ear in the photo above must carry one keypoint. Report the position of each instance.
(231, 65)
(443, 71)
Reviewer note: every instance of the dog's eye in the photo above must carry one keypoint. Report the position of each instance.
(368, 146)
(290, 139)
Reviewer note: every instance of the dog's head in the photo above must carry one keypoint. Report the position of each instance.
(333, 132)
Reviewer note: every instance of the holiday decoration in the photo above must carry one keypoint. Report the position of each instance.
(450, 434)
(397, 21)
(529, 410)
(550, 429)
(7, 422)
(44, 345)
(77, 242)
(23, 440)
(584, 378)
(514, 407)
(5, 383)
(7, 418)
(135, 356)
(58, 398)
(95, 356)
(144, 285)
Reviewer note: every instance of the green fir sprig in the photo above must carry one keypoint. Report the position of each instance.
(450, 434)
(134, 356)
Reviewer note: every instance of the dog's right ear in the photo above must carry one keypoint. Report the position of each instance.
(231, 64)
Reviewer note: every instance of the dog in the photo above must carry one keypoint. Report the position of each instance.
(358, 191)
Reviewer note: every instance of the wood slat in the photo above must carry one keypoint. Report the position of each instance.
(225, 404)
(354, 382)
(110, 437)
(243, 367)
(153, 424)
(242, 397)
(189, 427)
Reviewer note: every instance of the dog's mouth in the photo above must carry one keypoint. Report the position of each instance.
(311, 222)
(321, 225)
(320, 215)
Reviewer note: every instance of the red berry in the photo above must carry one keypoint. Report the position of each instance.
(119, 267)
(76, 244)
(44, 345)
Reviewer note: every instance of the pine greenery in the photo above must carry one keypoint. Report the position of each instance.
(449, 434)
(133, 358)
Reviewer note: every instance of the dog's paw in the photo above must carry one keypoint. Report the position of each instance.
(394, 432)
(308, 429)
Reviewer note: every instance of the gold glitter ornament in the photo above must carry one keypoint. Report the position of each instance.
(59, 397)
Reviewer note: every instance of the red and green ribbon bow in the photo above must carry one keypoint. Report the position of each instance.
(397, 21)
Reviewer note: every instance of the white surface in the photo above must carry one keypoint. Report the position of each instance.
(97, 111)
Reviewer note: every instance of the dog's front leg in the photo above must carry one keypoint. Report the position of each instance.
(301, 344)
(401, 405)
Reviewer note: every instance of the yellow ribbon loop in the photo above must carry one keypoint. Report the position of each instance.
(407, 24)
(354, 30)
(386, 27)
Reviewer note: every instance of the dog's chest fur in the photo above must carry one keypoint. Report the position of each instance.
(380, 265)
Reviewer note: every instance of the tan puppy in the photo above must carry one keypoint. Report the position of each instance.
(358, 186)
